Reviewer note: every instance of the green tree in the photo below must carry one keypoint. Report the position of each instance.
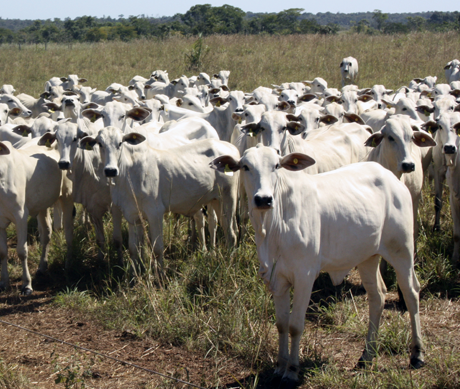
(379, 18)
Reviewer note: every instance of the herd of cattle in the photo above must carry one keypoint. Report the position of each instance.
(303, 154)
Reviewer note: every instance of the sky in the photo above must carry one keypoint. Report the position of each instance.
(41, 9)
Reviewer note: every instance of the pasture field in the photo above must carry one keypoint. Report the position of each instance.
(211, 321)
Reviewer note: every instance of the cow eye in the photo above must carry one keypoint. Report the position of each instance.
(190, 103)
(246, 114)
(391, 139)
(75, 139)
(404, 109)
(122, 116)
(277, 166)
(245, 168)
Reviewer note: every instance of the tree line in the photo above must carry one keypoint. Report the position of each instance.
(206, 20)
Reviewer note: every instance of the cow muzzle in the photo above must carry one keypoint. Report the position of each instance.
(450, 149)
(408, 167)
(263, 202)
(111, 172)
(64, 165)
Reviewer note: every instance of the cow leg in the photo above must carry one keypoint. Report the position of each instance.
(136, 240)
(410, 288)
(375, 288)
(227, 205)
(156, 237)
(97, 220)
(57, 216)
(212, 222)
(21, 248)
(117, 232)
(67, 207)
(5, 280)
(282, 308)
(44, 229)
(302, 293)
(198, 225)
(439, 177)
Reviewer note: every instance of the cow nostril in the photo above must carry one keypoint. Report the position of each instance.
(239, 110)
(408, 167)
(263, 202)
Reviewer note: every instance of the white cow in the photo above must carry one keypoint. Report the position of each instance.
(14, 103)
(452, 70)
(31, 183)
(349, 71)
(178, 181)
(397, 148)
(7, 89)
(444, 154)
(453, 172)
(307, 224)
(84, 169)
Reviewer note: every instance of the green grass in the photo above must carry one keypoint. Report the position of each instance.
(213, 302)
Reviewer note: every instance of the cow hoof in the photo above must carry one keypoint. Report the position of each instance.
(436, 228)
(26, 291)
(362, 364)
(416, 363)
(287, 383)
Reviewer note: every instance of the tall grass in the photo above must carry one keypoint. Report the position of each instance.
(253, 60)
(212, 302)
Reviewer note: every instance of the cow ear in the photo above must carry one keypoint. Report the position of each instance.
(133, 138)
(308, 97)
(389, 104)
(328, 119)
(90, 106)
(293, 118)
(131, 87)
(423, 139)
(283, 106)
(179, 102)
(333, 99)
(87, 143)
(353, 118)
(69, 93)
(64, 79)
(47, 139)
(236, 116)
(374, 140)
(45, 95)
(431, 126)
(456, 127)
(295, 128)
(218, 101)
(15, 111)
(82, 80)
(341, 64)
(251, 129)
(22, 130)
(225, 88)
(425, 109)
(365, 98)
(52, 107)
(296, 161)
(4, 149)
(91, 114)
(225, 164)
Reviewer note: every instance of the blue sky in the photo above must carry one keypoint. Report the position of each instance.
(40, 9)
